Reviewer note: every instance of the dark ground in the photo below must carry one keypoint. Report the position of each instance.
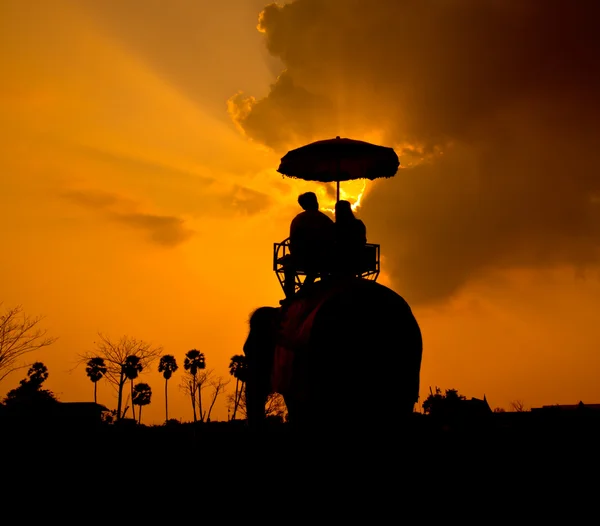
(520, 434)
(531, 467)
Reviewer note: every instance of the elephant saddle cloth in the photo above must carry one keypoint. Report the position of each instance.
(288, 376)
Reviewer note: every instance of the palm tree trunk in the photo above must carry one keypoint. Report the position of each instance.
(166, 403)
(95, 389)
(193, 396)
(132, 404)
(140, 416)
(236, 398)
(200, 404)
(120, 397)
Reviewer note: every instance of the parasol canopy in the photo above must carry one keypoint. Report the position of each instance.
(339, 159)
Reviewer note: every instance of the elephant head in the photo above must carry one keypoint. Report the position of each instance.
(259, 350)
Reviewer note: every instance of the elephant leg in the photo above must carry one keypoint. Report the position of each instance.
(257, 392)
(255, 405)
(258, 389)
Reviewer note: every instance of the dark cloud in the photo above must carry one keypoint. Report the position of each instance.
(247, 201)
(492, 107)
(286, 99)
(95, 199)
(161, 229)
(164, 230)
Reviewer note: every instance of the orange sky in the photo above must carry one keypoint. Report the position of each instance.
(131, 203)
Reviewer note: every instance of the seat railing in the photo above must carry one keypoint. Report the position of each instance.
(370, 263)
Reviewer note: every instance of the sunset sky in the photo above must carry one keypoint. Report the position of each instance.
(139, 194)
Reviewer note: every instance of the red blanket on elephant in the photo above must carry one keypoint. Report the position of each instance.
(294, 336)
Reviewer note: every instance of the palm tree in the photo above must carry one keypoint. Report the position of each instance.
(142, 394)
(194, 361)
(132, 368)
(238, 369)
(95, 369)
(167, 366)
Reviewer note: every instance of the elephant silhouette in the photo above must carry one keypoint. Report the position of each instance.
(340, 354)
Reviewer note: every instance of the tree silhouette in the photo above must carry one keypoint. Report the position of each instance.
(238, 369)
(193, 363)
(29, 394)
(38, 374)
(218, 385)
(189, 386)
(167, 366)
(19, 335)
(131, 369)
(518, 406)
(275, 407)
(142, 395)
(95, 369)
(115, 354)
(438, 404)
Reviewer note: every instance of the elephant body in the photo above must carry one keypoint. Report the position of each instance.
(340, 352)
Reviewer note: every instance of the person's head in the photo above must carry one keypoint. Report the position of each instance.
(343, 210)
(308, 201)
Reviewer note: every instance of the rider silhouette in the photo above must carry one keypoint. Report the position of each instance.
(311, 241)
(350, 239)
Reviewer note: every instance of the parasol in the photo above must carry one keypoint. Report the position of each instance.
(335, 160)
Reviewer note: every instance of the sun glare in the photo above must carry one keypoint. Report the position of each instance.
(352, 191)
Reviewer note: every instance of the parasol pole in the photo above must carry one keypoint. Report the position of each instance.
(338, 177)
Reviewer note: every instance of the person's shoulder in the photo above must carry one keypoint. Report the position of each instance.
(360, 227)
(299, 217)
(297, 222)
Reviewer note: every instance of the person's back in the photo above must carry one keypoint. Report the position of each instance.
(311, 243)
(311, 235)
(350, 238)
(311, 232)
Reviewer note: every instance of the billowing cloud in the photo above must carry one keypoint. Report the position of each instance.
(161, 229)
(492, 107)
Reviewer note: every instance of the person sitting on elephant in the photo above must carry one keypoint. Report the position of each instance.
(311, 242)
(350, 239)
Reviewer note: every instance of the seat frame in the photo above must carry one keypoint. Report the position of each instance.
(281, 254)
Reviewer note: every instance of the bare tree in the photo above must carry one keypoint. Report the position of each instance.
(274, 405)
(189, 386)
(117, 355)
(218, 385)
(203, 380)
(19, 335)
(518, 406)
(194, 382)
